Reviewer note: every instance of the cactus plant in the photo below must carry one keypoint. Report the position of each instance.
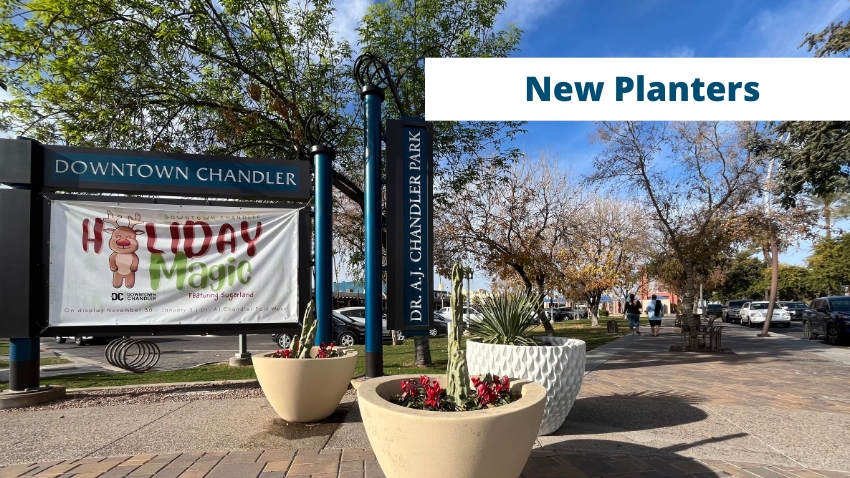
(301, 345)
(458, 386)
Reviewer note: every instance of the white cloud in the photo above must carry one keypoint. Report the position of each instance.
(779, 32)
(525, 13)
(675, 52)
(347, 18)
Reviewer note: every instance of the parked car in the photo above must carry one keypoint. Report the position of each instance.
(714, 310)
(755, 313)
(563, 313)
(580, 312)
(797, 310)
(346, 333)
(439, 326)
(358, 314)
(87, 339)
(828, 316)
(468, 313)
(732, 310)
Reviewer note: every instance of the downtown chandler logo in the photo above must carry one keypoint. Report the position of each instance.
(151, 296)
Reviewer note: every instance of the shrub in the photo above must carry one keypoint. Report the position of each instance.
(603, 313)
(506, 318)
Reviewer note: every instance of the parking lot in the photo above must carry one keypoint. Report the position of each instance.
(178, 351)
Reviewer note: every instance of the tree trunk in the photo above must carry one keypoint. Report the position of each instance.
(827, 217)
(541, 313)
(774, 283)
(688, 297)
(592, 311)
(544, 319)
(423, 351)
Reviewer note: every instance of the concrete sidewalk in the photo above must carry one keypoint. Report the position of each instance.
(775, 407)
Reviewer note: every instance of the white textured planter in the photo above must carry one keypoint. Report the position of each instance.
(558, 367)
(305, 390)
(410, 443)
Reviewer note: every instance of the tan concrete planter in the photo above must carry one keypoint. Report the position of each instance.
(305, 390)
(408, 443)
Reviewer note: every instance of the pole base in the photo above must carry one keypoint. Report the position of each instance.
(374, 364)
(28, 398)
(764, 335)
(241, 360)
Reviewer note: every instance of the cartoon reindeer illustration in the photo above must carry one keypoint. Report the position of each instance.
(123, 262)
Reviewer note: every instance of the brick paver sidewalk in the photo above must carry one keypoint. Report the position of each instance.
(359, 463)
(645, 413)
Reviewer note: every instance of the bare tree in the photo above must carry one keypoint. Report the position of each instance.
(600, 255)
(512, 224)
(695, 179)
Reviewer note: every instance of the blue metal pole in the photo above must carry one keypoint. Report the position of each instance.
(372, 97)
(323, 162)
(24, 358)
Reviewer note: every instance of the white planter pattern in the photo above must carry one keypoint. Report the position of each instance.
(558, 367)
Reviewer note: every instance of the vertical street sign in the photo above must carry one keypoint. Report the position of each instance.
(409, 225)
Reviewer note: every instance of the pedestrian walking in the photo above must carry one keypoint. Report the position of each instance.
(654, 311)
(633, 310)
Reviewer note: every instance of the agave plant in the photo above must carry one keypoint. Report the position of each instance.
(506, 318)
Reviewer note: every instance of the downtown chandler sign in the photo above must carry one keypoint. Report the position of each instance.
(410, 215)
(124, 265)
(88, 169)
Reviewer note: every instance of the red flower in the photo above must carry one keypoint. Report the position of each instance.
(325, 350)
(491, 389)
(286, 353)
(434, 394)
(424, 380)
(408, 389)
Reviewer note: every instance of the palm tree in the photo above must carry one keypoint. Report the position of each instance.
(833, 206)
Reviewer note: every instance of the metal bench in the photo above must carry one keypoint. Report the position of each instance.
(707, 336)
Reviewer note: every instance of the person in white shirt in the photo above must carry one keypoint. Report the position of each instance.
(655, 312)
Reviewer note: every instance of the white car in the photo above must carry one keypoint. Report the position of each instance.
(754, 313)
(469, 313)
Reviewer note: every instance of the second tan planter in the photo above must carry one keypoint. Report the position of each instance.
(409, 443)
(305, 390)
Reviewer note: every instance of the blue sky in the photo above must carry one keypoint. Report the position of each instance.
(657, 28)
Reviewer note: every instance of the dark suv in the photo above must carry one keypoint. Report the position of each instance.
(732, 310)
(715, 310)
(829, 316)
(562, 313)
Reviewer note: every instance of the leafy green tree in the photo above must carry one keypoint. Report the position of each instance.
(408, 31)
(832, 206)
(814, 155)
(830, 265)
(232, 78)
(794, 283)
(742, 278)
(236, 77)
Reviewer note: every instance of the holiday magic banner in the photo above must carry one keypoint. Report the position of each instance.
(139, 264)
